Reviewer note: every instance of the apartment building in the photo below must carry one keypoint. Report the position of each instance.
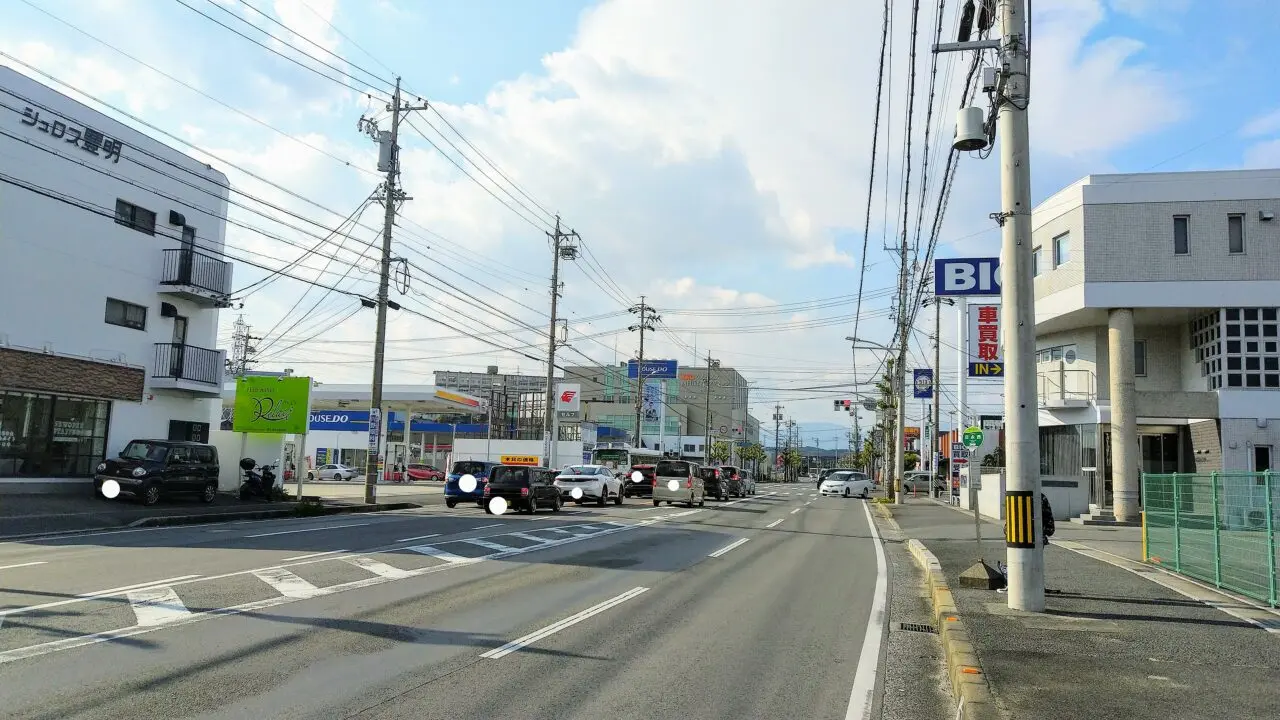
(1157, 330)
(112, 281)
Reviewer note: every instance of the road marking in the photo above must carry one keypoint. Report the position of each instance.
(378, 567)
(313, 555)
(26, 564)
(561, 531)
(420, 537)
(527, 536)
(290, 532)
(486, 527)
(95, 594)
(439, 554)
(157, 605)
(486, 544)
(728, 547)
(793, 512)
(287, 584)
(775, 522)
(553, 628)
(862, 696)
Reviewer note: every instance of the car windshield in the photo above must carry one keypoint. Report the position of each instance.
(578, 470)
(154, 452)
(673, 468)
(469, 467)
(503, 475)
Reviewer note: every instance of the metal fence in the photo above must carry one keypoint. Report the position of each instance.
(1219, 528)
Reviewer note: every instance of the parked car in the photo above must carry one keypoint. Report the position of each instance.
(453, 492)
(847, 483)
(418, 471)
(689, 486)
(918, 483)
(333, 471)
(596, 482)
(749, 483)
(642, 487)
(150, 469)
(523, 487)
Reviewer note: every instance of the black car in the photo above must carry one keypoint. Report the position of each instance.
(148, 469)
(642, 487)
(523, 487)
(716, 482)
(737, 486)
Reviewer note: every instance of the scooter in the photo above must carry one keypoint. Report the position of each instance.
(258, 482)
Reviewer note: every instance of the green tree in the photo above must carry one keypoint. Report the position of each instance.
(910, 460)
(753, 453)
(720, 451)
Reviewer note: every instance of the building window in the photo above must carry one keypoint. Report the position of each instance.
(1181, 239)
(1139, 358)
(126, 314)
(51, 436)
(1061, 249)
(132, 216)
(1037, 262)
(1235, 234)
(1057, 352)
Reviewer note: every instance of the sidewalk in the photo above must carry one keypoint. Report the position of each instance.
(1111, 643)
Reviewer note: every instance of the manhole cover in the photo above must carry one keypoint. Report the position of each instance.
(916, 627)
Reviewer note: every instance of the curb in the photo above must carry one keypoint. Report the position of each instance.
(968, 682)
(289, 511)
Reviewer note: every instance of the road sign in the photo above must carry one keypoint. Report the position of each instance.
(986, 369)
(966, 276)
(923, 383)
(653, 369)
(958, 450)
(972, 436)
(724, 429)
(375, 427)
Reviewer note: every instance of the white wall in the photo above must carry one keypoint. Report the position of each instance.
(149, 419)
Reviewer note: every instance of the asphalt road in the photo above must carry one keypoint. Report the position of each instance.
(771, 606)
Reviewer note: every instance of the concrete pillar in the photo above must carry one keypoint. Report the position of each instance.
(1126, 459)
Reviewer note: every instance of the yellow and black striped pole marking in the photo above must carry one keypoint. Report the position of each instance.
(1019, 524)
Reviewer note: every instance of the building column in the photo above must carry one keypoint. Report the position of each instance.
(1126, 459)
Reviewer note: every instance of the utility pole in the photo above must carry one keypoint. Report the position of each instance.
(706, 425)
(777, 427)
(646, 319)
(562, 247)
(391, 196)
(937, 302)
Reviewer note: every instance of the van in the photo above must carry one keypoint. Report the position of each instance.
(523, 487)
(686, 479)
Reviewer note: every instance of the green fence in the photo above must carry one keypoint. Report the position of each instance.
(1219, 528)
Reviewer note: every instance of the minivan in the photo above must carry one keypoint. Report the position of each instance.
(523, 487)
(685, 477)
(148, 469)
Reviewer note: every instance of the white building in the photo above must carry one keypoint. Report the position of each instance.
(111, 280)
(1157, 329)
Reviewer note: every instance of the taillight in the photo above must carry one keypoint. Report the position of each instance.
(689, 483)
(486, 489)
(655, 481)
(524, 492)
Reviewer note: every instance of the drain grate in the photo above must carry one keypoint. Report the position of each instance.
(917, 627)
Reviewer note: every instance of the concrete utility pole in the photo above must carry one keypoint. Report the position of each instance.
(390, 195)
(706, 454)
(646, 319)
(777, 431)
(562, 247)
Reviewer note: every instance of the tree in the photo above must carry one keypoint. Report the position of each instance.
(752, 453)
(720, 451)
(910, 460)
(994, 459)
(791, 458)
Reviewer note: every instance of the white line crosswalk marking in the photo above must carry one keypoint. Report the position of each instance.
(486, 544)
(157, 605)
(287, 584)
(527, 536)
(378, 567)
(439, 554)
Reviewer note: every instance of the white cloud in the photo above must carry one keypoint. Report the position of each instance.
(1266, 124)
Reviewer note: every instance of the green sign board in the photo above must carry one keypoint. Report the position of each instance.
(276, 405)
(972, 436)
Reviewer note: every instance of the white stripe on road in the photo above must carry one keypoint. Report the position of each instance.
(775, 522)
(420, 537)
(728, 547)
(861, 698)
(486, 544)
(95, 594)
(486, 527)
(793, 512)
(378, 567)
(287, 584)
(313, 555)
(527, 536)
(570, 621)
(27, 564)
(290, 532)
(157, 605)
(439, 554)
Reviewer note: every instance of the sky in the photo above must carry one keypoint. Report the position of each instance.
(711, 155)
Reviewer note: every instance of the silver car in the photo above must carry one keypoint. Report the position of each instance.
(679, 481)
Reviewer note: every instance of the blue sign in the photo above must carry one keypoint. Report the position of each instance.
(986, 369)
(654, 368)
(923, 384)
(966, 276)
(358, 421)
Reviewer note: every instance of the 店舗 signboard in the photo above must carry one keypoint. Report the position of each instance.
(966, 276)
(653, 369)
(266, 404)
(984, 339)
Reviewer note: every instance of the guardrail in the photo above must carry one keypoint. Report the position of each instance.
(1219, 528)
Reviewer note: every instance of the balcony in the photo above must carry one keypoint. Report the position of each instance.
(196, 276)
(1064, 388)
(186, 367)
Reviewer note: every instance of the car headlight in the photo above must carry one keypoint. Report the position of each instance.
(139, 471)
(102, 467)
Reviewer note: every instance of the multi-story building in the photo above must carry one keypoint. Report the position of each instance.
(518, 400)
(480, 383)
(112, 278)
(1158, 330)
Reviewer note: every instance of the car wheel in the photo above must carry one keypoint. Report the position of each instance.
(451, 503)
(617, 499)
(846, 492)
(555, 506)
(702, 501)
(210, 492)
(865, 493)
(604, 496)
(656, 502)
(533, 504)
(487, 511)
(151, 495)
(311, 476)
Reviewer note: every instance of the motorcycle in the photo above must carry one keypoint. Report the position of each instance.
(258, 482)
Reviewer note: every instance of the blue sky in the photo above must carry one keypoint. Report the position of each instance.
(712, 154)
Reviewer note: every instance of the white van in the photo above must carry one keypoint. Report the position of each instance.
(847, 483)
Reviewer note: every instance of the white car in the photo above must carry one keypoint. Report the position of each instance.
(596, 482)
(333, 471)
(847, 483)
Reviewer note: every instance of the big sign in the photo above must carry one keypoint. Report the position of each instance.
(966, 276)
(268, 404)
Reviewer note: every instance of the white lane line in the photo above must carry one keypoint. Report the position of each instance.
(157, 605)
(287, 584)
(95, 594)
(531, 538)
(378, 567)
(290, 532)
(420, 537)
(558, 530)
(486, 544)
(26, 564)
(861, 697)
(774, 523)
(793, 512)
(313, 555)
(486, 527)
(728, 547)
(439, 554)
(570, 621)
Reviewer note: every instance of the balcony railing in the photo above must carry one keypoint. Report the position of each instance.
(1064, 387)
(192, 268)
(188, 362)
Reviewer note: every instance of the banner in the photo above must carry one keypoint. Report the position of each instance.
(271, 405)
(984, 346)
(651, 401)
(923, 384)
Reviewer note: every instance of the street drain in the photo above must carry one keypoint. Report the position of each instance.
(916, 627)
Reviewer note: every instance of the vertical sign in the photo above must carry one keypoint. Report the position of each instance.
(375, 427)
(985, 355)
(923, 383)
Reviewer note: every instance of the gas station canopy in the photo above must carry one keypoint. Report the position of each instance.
(414, 399)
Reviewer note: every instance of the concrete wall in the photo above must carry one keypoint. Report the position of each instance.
(1050, 224)
(1165, 344)
(1177, 404)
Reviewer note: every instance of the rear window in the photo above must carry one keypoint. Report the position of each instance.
(730, 470)
(673, 468)
(469, 467)
(503, 475)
